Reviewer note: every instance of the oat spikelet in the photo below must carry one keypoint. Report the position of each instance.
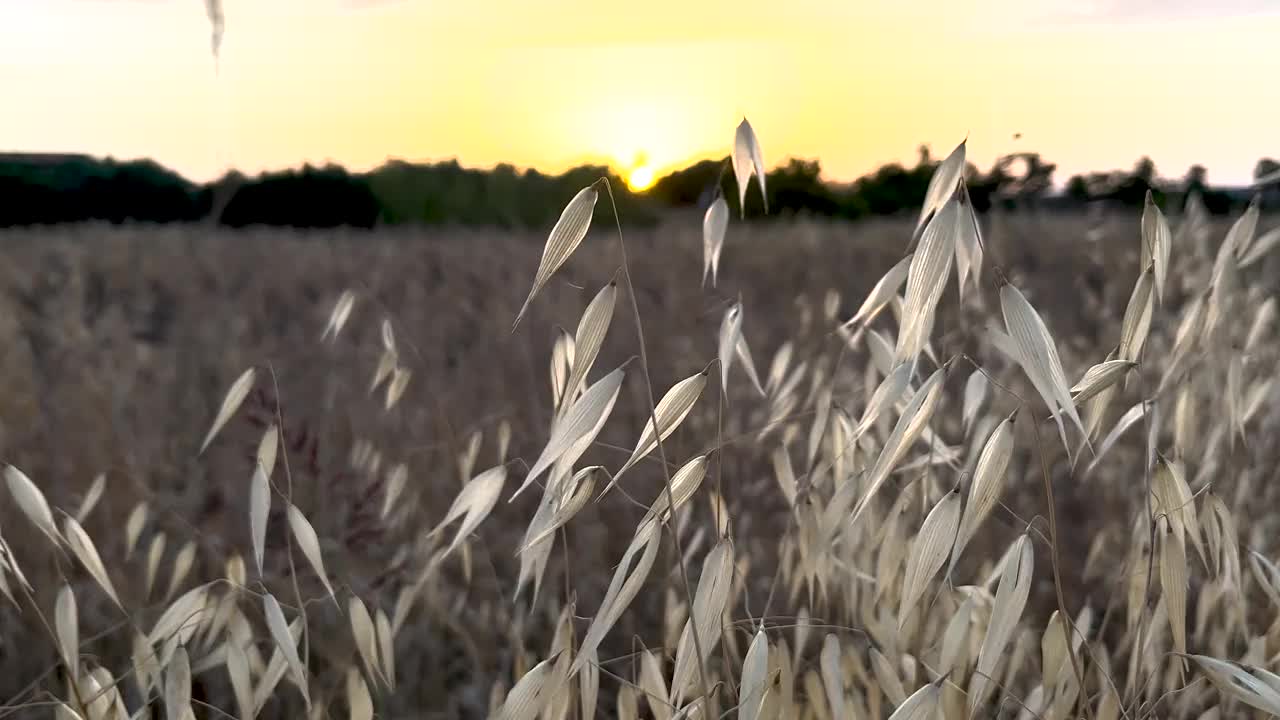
(887, 677)
(364, 632)
(531, 693)
(1011, 598)
(587, 340)
(339, 315)
(942, 184)
(730, 334)
(284, 641)
(969, 246)
(181, 567)
(932, 546)
(1234, 681)
(628, 578)
(714, 225)
(86, 552)
(476, 500)
(579, 426)
(755, 677)
(268, 448)
(133, 527)
(177, 686)
(237, 663)
(832, 676)
(235, 395)
(975, 397)
(886, 288)
(562, 356)
(395, 389)
(1137, 318)
(1099, 378)
(565, 237)
(1038, 356)
(386, 647)
(589, 686)
(923, 704)
(708, 609)
(926, 279)
(1157, 241)
(66, 622)
(955, 639)
(988, 481)
(259, 509)
(31, 501)
(309, 543)
(670, 412)
(358, 698)
(566, 502)
(748, 161)
(91, 497)
(1173, 583)
(910, 425)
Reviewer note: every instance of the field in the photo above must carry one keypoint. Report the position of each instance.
(120, 344)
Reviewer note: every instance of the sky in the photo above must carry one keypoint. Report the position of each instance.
(1090, 84)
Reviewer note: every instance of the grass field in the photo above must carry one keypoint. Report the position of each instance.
(119, 344)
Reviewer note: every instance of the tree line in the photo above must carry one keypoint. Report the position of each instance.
(50, 189)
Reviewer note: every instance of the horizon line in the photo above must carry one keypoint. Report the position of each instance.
(613, 166)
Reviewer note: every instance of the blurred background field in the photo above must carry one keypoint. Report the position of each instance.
(194, 196)
(119, 342)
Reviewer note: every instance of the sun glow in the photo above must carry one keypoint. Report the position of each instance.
(641, 177)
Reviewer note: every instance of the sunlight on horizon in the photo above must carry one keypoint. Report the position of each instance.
(641, 178)
(358, 82)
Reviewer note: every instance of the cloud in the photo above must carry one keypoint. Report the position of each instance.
(578, 24)
(1149, 11)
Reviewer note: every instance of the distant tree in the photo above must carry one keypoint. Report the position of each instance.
(985, 188)
(1267, 174)
(692, 185)
(1196, 179)
(1037, 175)
(1132, 189)
(446, 192)
(1128, 189)
(890, 190)
(310, 197)
(798, 187)
(1144, 170)
(1267, 168)
(1015, 179)
(46, 188)
(37, 188)
(1078, 189)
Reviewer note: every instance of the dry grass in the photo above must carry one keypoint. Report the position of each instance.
(120, 342)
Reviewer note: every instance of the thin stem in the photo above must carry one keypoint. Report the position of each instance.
(288, 475)
(1053, 561)
(653, 417)
(53, 635)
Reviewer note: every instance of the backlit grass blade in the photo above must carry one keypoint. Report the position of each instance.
(942, 184)
(669, 413)
(748, 161)
(714, 226)
(235, 395)
(565, 237)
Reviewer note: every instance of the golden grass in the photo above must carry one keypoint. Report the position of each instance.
(120, 343)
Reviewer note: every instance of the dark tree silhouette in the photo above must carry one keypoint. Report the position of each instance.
(1266, 167)
(43, 188)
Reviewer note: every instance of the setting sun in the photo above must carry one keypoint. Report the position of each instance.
(640, 177)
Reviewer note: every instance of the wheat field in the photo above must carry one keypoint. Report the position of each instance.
(301, 565)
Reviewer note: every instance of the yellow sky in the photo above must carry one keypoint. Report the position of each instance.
(1091, 84)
